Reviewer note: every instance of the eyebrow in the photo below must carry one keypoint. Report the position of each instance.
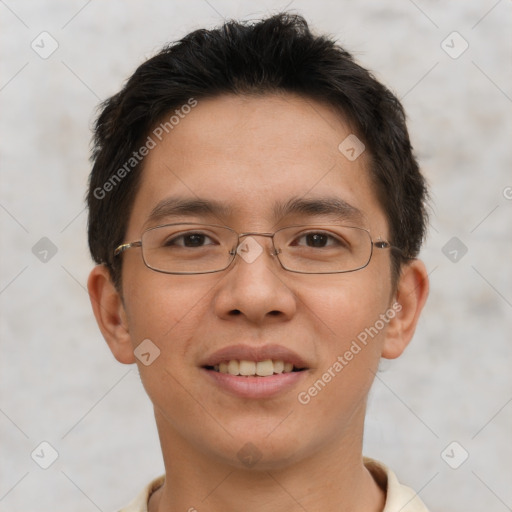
(178, 206)
(333, 207)
(324, 206)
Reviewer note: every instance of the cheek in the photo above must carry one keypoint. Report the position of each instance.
(164, 308)
(346, 316)
(344, 305)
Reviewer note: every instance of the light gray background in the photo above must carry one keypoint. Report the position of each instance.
(59, 382)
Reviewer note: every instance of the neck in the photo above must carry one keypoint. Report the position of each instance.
(333, 479)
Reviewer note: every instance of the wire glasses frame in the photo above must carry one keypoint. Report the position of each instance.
(348, 248)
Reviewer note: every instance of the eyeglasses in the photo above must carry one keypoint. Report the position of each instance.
(202, 249)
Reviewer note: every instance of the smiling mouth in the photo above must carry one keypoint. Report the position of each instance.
(244, 368)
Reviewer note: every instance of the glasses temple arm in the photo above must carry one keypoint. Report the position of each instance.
(124, 247)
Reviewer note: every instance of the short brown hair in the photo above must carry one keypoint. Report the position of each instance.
(275, 54)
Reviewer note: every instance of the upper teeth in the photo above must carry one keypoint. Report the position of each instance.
(251, 368)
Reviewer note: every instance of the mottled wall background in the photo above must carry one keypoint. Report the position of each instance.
(59, 382)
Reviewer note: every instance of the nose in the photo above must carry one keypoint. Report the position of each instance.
(254, 288)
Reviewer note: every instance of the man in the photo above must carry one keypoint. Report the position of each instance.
(256, 211)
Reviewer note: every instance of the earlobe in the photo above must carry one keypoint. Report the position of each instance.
(110, 314)
(411, 295)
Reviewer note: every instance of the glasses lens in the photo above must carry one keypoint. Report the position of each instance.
(188, 248)
(323, 249)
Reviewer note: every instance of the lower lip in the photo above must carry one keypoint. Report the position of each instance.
(255, 387)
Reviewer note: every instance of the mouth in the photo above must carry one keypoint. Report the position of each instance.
(261, 372)
(246, 368)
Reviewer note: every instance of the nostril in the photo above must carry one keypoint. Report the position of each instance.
(235, 312)
(274, 313)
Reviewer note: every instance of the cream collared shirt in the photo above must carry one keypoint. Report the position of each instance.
(399, 498)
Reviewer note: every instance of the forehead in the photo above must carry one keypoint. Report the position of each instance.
(254, 156)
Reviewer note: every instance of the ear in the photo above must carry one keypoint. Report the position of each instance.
(410, 297)
(110, 314)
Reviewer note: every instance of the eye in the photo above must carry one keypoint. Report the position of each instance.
(189, 240)
(318, 240)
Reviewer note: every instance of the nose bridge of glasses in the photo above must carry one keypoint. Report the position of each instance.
(242, 237)
(255, 233)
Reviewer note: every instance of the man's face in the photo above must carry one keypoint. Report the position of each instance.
(255, 156)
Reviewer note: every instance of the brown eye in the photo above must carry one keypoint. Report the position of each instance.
(194, 240)
(318, 240)
(189, 240)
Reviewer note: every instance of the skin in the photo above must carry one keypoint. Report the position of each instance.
(250, 153)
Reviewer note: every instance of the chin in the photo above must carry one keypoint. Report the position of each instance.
(262, 448)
